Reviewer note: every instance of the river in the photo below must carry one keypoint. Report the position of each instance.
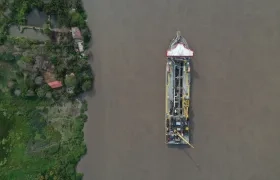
(235, 96)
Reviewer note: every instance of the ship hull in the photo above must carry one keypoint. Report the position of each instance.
(177, 97)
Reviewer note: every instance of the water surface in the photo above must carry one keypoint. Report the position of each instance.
(235, 95)
(28, 33)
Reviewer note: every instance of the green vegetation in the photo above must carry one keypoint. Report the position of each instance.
(69, 14)
(41, 127)
(40, 140)
(21, 8)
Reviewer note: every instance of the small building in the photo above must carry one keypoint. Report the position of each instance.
(50, 79)
(76, 33)
(80, 46)
(78, 38)
(55, 84)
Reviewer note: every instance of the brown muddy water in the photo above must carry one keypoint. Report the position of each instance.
(235, 90)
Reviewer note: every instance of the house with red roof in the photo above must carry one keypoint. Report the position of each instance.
(55, 84)
(76, 33)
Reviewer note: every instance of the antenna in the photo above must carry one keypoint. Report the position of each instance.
(178, 34)
(184, 140)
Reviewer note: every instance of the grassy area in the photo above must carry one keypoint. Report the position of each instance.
(37, 141)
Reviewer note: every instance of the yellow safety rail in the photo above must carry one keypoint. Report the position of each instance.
(166, 100)
(166, 94)
(186, 101)
(186, 104)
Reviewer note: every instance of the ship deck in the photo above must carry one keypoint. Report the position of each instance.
(177, 100)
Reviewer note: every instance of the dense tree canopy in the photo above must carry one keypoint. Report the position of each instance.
(87, 85)
(77, 20)
(40, 126)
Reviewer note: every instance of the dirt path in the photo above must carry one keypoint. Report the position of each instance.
(235, 94)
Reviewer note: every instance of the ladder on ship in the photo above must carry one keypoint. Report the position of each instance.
(178, 89)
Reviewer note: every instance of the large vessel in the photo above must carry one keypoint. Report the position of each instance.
(178, 82)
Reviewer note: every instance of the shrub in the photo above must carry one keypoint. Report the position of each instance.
(87, 85)
(70, 80)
